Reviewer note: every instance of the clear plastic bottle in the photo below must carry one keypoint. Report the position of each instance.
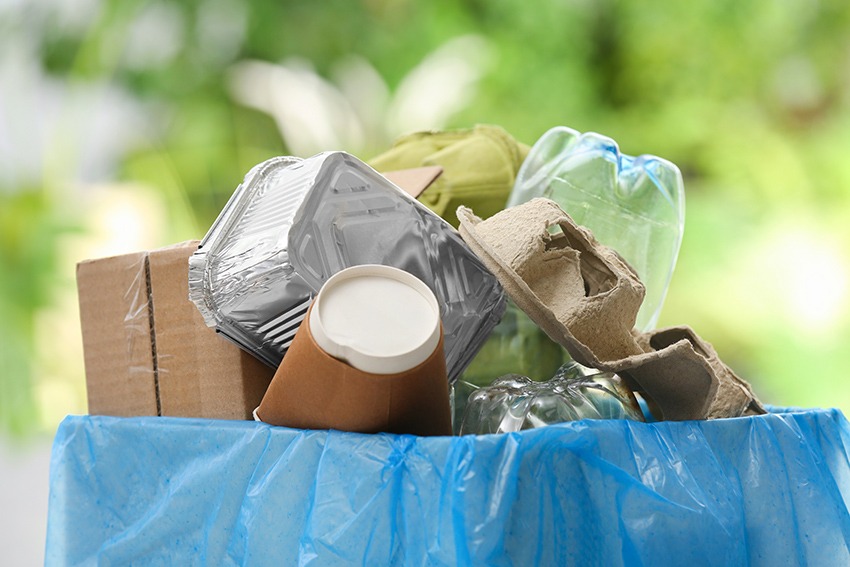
(635, 205)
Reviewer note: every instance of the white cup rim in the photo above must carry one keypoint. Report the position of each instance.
(369, 362)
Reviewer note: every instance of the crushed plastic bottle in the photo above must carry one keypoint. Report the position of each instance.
(635, 205)
(460, 391)
(514, 402)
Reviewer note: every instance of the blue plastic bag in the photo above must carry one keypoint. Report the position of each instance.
(766, 490)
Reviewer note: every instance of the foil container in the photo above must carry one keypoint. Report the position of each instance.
(294, 223)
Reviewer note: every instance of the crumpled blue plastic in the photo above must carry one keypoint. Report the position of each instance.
(766, 490)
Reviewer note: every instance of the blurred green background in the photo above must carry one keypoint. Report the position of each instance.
(127, 124)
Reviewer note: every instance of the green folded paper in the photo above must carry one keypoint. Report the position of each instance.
(479, 164)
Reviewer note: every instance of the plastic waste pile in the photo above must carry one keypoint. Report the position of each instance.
(513, 402)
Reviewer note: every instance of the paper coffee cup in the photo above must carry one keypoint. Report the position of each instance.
(367, 358)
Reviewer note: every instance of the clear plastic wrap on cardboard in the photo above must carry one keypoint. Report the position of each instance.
(294, 223)
(147, 349)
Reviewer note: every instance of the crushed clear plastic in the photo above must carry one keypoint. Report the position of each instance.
(514, 402)
(635, 205)
(294, 223)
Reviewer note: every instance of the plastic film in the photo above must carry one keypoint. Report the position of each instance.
(139, 329)
(762, 491)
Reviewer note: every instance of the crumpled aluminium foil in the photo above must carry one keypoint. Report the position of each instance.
(294, 223)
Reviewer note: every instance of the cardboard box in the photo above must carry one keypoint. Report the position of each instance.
(147, 350)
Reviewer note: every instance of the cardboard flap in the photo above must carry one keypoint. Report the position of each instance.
(116, 329)
(415, 180)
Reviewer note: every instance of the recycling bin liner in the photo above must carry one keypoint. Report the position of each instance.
(765, 490)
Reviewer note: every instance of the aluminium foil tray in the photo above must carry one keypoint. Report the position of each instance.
(294, 223)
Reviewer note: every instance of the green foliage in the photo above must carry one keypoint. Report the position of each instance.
(29, 226)
(750, 99)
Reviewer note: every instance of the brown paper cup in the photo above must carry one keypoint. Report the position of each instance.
(314, 390)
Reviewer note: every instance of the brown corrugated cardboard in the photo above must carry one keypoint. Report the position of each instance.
(313, 390)
(415, 180)
(117, 335)
(182, 368)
